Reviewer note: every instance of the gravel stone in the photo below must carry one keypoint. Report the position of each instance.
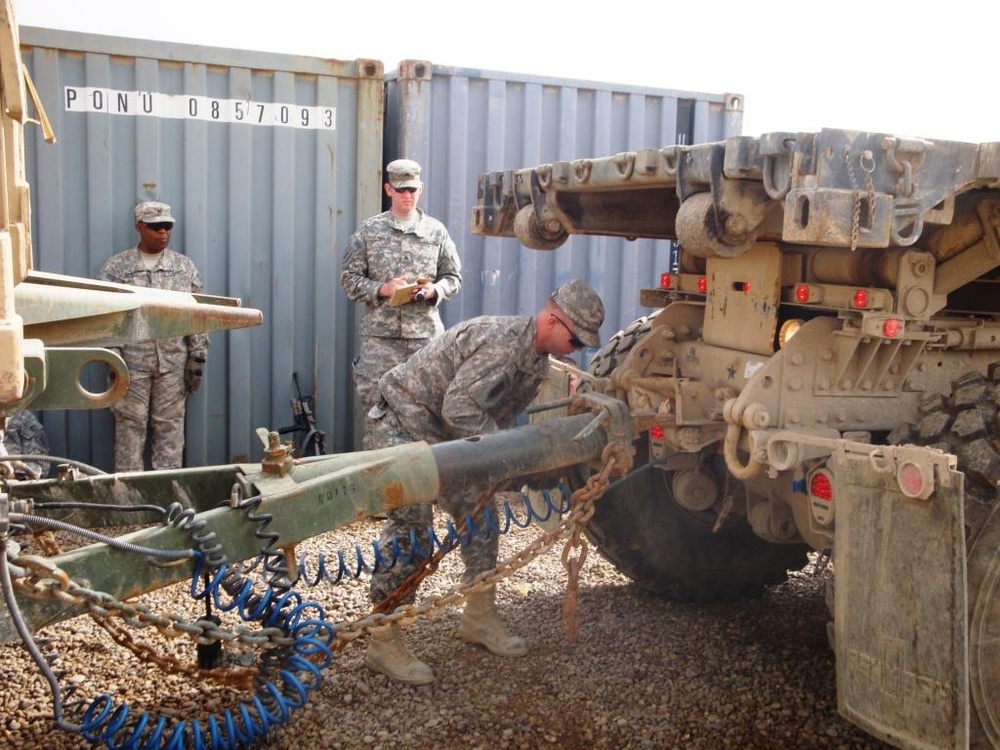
(644, 674)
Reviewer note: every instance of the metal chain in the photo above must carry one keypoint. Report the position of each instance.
(46, 539)
(429, 565)
(866, 161)
(241, 678)
(49, 581)
(856, 219)
(581, 510)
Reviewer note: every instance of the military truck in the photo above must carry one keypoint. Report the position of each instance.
(822, 371)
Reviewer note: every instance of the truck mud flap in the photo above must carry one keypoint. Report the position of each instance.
(900, 599)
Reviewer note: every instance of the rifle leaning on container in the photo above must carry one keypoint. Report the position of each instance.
(313, 440)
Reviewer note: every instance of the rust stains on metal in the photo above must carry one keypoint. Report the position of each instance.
(394, 496)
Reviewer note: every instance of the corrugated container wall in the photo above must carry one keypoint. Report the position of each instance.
(268, 161)
(266, 209)
(459, 123)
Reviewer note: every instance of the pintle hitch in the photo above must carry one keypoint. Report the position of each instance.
(613, 416)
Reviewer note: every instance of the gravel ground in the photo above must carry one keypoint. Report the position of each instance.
(644, 673)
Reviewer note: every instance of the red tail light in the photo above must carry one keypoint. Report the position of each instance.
(892, 328)
(808, 293)
(911, 481)
(821, 487)
(665, 281)
(821, 496)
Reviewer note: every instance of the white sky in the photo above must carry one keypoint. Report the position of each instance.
(906, 68)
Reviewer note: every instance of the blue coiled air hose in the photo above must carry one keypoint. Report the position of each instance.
(299, 674)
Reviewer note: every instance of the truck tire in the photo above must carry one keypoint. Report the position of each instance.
(648, 537)
(618, 346)
(984, 635)
(966, 424)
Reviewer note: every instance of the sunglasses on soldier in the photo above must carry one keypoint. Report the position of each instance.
(573, 340)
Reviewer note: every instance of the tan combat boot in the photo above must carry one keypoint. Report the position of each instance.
(481, 624)
(389, 655)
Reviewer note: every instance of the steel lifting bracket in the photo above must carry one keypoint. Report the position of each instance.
(904, 155)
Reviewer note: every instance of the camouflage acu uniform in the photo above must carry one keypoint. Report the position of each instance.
(156, 397)
(25, 435)
(475, 378)
(383, 248)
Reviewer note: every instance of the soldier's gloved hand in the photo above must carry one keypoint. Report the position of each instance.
(192, 373)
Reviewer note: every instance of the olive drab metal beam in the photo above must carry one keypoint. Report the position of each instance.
(77, 318)
(302, 497)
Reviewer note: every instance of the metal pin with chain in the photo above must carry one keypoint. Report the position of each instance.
(866, 161)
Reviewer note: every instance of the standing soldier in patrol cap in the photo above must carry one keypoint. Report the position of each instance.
(401, 247)
(163, 371)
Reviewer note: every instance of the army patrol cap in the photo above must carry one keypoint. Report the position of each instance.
(403, 173)
(153, 212)
(583, 306)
